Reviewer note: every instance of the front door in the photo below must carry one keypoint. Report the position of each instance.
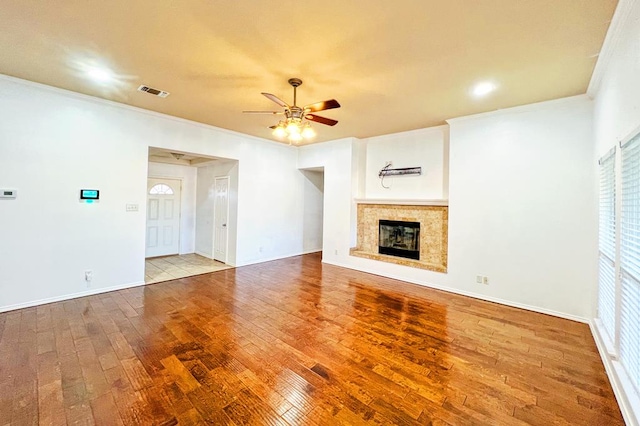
(220, 217)
(163, 217)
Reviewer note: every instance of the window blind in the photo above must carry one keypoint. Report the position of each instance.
(630, 261)
(607, 245)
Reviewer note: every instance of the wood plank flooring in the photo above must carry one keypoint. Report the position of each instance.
(300, 343)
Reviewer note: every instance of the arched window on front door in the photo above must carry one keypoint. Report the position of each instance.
(161, 189)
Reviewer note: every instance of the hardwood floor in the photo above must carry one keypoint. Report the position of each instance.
(296, 342)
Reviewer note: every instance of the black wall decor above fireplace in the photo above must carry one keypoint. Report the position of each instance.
(399, 238)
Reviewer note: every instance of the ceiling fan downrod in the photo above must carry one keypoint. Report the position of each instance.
(295, 82)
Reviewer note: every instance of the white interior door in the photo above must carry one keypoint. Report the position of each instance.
(220, 218)
(163, 217)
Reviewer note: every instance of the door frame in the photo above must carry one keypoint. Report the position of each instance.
(226, 243)
(146, 199)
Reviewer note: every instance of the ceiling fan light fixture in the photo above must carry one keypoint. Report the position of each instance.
(294, 130)
(293, 127)
(297, 124)
(308, 132)
(295, 137)
(280, 132)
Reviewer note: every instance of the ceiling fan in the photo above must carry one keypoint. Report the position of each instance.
(295, 126)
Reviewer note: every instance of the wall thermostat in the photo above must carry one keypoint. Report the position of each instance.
(8, 194)
(89, 195)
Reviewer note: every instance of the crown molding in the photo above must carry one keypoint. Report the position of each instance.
(408, 133)
(520, 109)
(101, 101)
(611, 40)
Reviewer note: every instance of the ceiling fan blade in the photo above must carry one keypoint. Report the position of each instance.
(321, 120)
(276, 99)
(321, 106)
(264, 112)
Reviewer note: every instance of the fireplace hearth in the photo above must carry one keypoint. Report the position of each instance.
(399, 238)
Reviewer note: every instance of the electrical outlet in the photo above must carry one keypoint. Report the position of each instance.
(132, 207)
(481, 279)
(260, 249)
(88, 275)
(336, 252)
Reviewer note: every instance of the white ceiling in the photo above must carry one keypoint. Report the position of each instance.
(394, 66)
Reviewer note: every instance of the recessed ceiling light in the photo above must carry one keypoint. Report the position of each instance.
(104, 80)
(483, 88)
(101, 75)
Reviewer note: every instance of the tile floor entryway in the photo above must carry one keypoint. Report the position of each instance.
(157, 269)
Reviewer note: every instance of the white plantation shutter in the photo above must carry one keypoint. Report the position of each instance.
(607, 296)
(630, 261)
(630, 328)
(607, 245)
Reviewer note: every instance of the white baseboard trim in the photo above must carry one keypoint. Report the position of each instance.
(467, 293)
(203, 254)
(311, 251)
(210, 256)
(32, 303)
(270, 259)
(342, 265)
(68, 296)
(619, 382)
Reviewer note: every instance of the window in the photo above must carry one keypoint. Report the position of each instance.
(630, 261)
(161, 189)
(619, 263)
(607, 245)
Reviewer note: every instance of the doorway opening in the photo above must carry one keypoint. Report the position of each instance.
(181, 213)
(313, 214)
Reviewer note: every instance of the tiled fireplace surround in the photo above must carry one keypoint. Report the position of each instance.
(434, 226)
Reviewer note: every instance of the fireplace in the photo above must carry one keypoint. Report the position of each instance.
(399, 238)
(430, 252)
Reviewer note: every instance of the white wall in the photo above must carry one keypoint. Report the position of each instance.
(187, 175)
(51, 146)
(616, 89)
(418, 148)
(313, 202)
(205, 208)
(340, 188)
(617, 94)
(53, 142)
(521, 207)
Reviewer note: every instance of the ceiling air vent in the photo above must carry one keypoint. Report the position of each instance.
(151, 90)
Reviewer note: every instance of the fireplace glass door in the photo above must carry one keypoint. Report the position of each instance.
(399, 238)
